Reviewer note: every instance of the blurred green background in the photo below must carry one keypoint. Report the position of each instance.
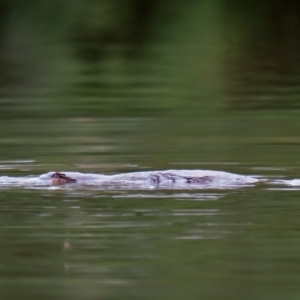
(104, 58)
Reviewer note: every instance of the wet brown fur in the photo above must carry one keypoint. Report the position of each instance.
(60, 178)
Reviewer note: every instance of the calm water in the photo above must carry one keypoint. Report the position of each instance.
(111, 87)
(69, 243)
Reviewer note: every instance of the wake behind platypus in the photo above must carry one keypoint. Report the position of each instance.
(167, 179)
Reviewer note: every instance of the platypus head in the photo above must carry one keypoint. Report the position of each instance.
(60, 178)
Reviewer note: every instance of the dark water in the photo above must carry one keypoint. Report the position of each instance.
(71, 243)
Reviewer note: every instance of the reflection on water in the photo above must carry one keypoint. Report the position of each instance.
(149, 58)
(73, 240)
(178, 196)
(77, 242)
(68, 243)
(81, 242)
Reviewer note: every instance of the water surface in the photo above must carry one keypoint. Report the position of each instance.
(101, 88)
(70, 242)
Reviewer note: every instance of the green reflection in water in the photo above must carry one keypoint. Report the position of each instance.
(67, 245)
(169, 95)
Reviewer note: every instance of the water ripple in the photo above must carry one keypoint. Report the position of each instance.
(149, 180)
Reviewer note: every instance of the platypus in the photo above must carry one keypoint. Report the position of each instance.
(60, 178)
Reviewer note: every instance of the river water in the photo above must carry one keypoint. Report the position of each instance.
(84, 242)
(96, 89)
